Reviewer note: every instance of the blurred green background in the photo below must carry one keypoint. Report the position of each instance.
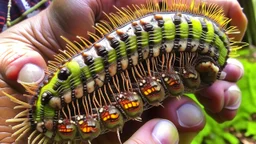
(241, 130)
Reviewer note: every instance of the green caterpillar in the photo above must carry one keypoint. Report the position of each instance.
(143, 57)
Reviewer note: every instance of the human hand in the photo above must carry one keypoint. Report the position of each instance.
(37, 39)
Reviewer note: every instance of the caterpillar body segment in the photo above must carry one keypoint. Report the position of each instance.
(131, 103)
(148, 55)
(152, 90)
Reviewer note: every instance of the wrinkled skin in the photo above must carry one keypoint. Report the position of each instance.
(39, 36)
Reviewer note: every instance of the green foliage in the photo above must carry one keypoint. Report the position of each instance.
(215, 133)
(249, 7)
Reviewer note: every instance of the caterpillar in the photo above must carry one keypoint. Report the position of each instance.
(145, 54)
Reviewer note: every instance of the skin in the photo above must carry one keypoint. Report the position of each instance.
(36, 40)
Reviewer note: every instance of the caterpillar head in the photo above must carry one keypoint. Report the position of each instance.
(66, 129)
(88, 127)
(208, 71)
(111, 117)
(190, 77)
(152, 90)
(173, 83)
(131, 103)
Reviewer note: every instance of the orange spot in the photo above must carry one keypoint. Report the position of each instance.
(80, 122)
(171, 83)
(97, 45)
(158, 17)
(145, 93)
(62, 128)
(114, 116)
(105, 116)
(134, 104)
(119, 32)
(123, 102)
(87, 129)
(83, 130)
(142, 22)
(126, 106)
(134, 23)
(110, 37)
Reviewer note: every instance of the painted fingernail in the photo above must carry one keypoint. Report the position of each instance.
(165, 133)
(234, 98)
(190, 115)
(238, 64)
(30, 74)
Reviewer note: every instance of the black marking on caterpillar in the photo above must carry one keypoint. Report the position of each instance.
(146, 55)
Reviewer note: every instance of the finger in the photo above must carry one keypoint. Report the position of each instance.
(221, 100)
(154, 132)
(234, 11)
(223, 116)
(184, 113)
(21, 64)
(233, 71)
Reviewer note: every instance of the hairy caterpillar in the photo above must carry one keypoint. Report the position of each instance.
(143, 57)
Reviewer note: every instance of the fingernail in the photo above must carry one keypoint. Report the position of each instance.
(223, 75)
(30, 74)
(190, 115)
(165, 133)
(234, 98)
(238, 64)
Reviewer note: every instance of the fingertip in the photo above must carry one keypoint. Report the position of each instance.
(221, 100)
(234, 70)
(184, 113)
(165, 132)
(155, 131)
(30, 74)
(213, 97)
(189, 115)
(22, 65)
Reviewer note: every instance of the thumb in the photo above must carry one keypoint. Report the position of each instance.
(156, 131)
(20, 64)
